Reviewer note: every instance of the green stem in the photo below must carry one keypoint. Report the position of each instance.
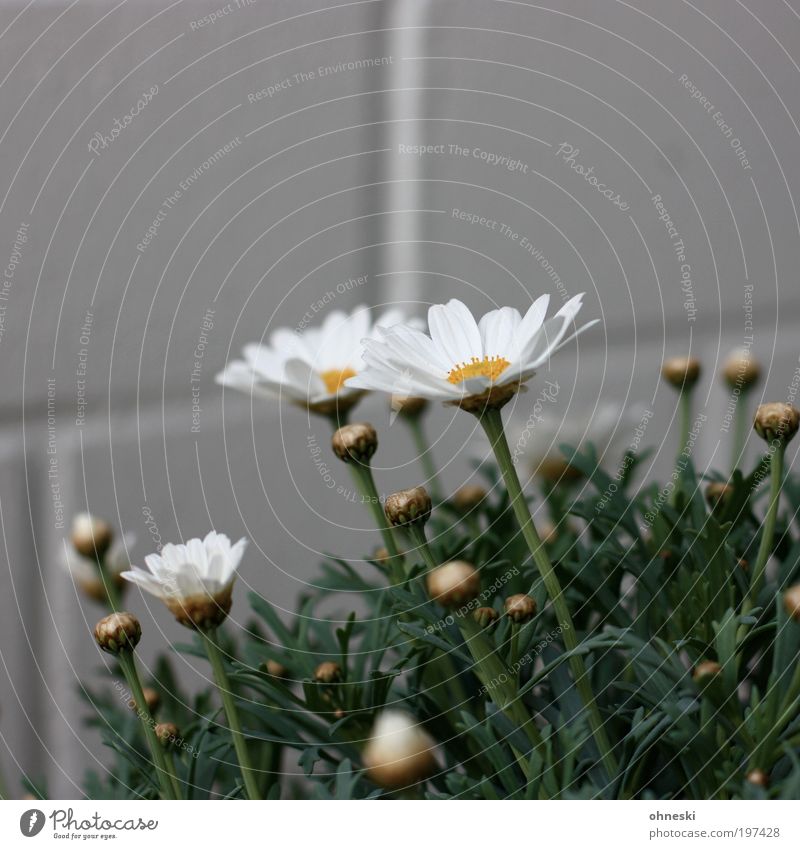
(491, 672)
(417, 534)
(685, 403)
(778, 449)
(500, 686)
(764, 749)
(492, 424)
(793, 690)
(425, 458)
(128, 664)
(113, 594)
(231, 711)
(513, 654)
(741, 427)
(173, 776)
(365, 483)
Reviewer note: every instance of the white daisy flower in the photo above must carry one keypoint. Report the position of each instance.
(475, 364)
(194, 580)
(309, 367)
(85, 573)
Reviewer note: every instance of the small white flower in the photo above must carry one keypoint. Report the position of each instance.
(194, 580)
(464, 360)
(85, 573)
(399, 752)
(309, 368)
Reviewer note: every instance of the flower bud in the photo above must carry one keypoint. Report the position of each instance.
(454, 584)
(486, 617)
(758, 777)
(91, 537)
(548, 532)
(777, 421)
(494, 398)
(94, 588)
(408, 406)
(381, 555)
(557, 470)
(167, 733)
(328, 672)
(118, 632)
(718, 494)
(520, 608)
(275, 669)
(355, 443)
(468, 497)
(399, 752)
(151, 698)
(740, 369)
(681, 372)
(202, 612)
(408, 507)
(705, 671)
(791, 602)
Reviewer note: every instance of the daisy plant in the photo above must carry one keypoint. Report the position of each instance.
(453, 681)
(195, 580)
(118, 634)
(479, 366)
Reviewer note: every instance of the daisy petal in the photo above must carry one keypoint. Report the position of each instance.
(454, 331)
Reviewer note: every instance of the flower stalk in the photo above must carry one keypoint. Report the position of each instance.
(741, 427)
(365, 483)
(173, 775)
(167, 735)
(425, 457)
(776, 424)
(777, 454)
(128, 665)
(355, 445)
(492, 423)
(231, 711)
(740, 372)
(685, 403)
(489, 668)
(112, 590)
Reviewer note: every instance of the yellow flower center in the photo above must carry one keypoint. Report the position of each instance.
(489, 367)
(335, 378)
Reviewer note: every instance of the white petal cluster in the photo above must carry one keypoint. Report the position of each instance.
(460, 357)
(200, 568)
(308, 367)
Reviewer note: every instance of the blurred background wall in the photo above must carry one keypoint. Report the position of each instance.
(272, 148)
